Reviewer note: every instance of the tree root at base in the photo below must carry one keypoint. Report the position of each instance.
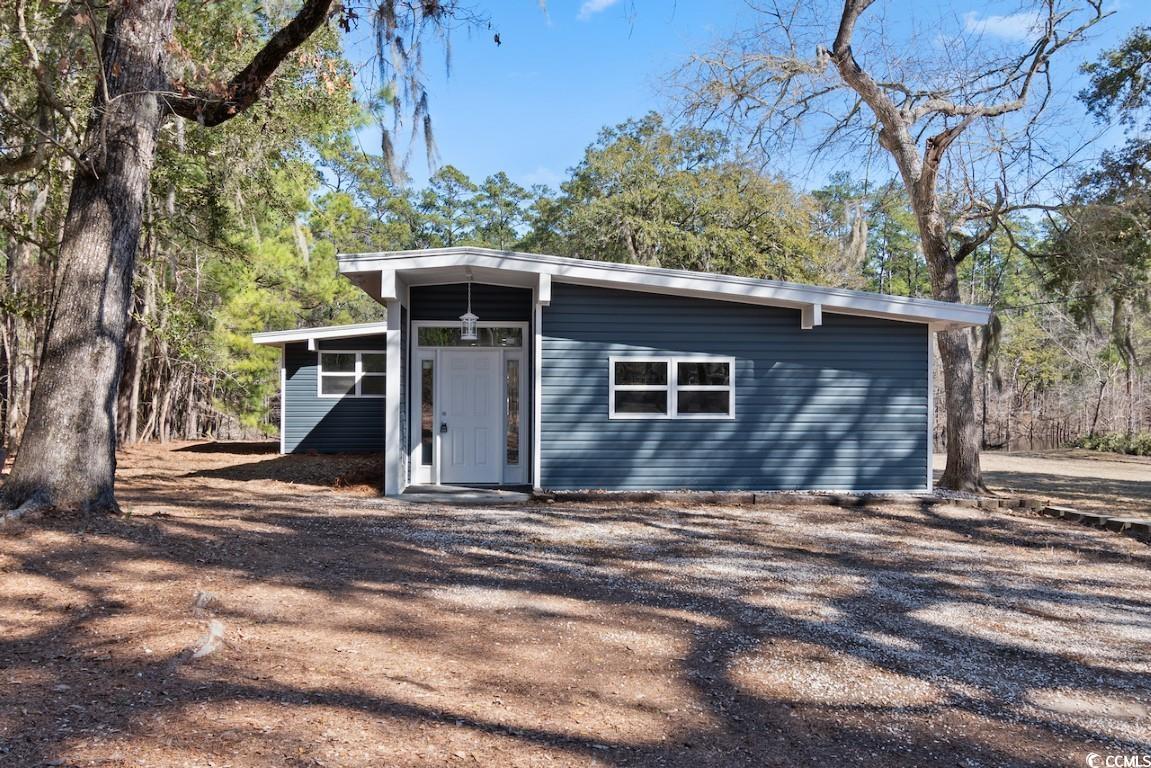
(29, 510)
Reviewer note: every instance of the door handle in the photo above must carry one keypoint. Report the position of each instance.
(443, 427)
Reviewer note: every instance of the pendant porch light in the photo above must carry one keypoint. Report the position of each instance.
(468, 319)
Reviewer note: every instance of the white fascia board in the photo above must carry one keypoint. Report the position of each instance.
(680, 282)
(310, 335)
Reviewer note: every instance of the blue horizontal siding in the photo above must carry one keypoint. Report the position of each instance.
(329, 424)
(840, 407)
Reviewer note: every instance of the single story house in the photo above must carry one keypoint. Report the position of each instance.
(504, 368)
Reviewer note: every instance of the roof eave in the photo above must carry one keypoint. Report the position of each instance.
(279, 338)
(939, 314)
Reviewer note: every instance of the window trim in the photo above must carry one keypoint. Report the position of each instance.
(672, 388)
(359, 373)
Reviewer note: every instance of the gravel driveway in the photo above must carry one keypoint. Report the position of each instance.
(255, 622)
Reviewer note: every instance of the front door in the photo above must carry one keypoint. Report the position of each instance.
(471, 425)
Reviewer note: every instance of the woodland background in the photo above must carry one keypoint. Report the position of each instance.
(244, 221)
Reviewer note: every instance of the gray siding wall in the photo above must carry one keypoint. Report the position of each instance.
(328, 425)
(840, 407)
(489, 302)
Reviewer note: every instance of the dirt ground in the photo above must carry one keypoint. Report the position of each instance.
(1072, 477)
(237, 619)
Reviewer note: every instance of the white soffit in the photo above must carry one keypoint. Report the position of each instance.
(413, 267)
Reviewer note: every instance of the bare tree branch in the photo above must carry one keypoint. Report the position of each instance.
(1038, 57)
(39, 131)
(244, 88)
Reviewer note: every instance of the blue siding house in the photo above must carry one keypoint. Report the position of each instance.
(576, 375)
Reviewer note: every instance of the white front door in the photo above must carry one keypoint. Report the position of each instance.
(473, 415)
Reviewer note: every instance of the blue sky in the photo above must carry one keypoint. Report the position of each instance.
(532, 105)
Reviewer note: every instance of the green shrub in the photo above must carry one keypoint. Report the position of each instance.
(1134, 445)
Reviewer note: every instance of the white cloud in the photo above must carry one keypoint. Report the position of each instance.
(592, 7)
(542, 175)
(1017, 26)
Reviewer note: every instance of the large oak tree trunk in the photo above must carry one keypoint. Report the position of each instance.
(67, 457)
(962, 471)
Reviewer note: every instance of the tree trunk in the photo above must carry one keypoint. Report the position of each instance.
(165, 418)
(25, 289)
(141, 346)
(962, 471)
(1098, 407)
(68, 457)
(1130, 396)
(983, 377)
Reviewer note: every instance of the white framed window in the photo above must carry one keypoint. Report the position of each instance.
(352, 374)
(692, 387)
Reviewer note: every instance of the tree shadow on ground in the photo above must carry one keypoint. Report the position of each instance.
(1089, 489)
(795, 636)
(337, 470)
(236, 447)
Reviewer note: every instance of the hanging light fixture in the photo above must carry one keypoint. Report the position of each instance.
(468, 319)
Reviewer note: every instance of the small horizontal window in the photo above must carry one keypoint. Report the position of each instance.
(640, 373)
(672, 388)
(373, 385)
(353, 374)
(337, 386)
(696, 373)
(374, 362)
(437, 336)
(702, 401)
(641, 402)
(339, 362)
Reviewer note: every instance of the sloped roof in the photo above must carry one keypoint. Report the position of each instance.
(380, 273)
(310, 335)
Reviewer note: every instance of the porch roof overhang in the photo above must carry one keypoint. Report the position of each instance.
(312, 335)
(386, 275)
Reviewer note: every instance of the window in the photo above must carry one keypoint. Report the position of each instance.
(512, 411)
(427, 411)
(353, 374)
(451, 336)
(672, 388)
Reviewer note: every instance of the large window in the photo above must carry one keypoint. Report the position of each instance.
(672, 388)
(352, 374)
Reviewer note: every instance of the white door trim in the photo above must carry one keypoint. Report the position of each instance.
(394, 480)
(537, 390)
(510, 474)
